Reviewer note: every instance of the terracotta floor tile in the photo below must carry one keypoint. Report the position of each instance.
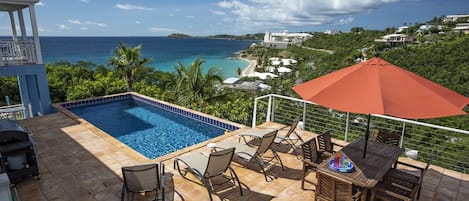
(79, 162)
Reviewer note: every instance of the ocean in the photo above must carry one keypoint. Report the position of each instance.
(163, 51)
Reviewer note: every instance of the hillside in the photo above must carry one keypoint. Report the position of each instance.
(179, 35)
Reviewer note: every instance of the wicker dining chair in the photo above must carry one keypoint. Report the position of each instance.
(386, 137)
(400, 185)
(331, 188)
(310, 158)
(325, 144)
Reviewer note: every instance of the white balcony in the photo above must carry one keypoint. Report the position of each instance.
(17, 52)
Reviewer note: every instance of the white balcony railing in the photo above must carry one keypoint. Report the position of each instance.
(17, 52)
(14, 112)
(447, 147)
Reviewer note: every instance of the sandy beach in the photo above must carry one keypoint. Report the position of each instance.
(250, 68)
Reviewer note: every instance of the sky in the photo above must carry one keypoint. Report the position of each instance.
(237, 17)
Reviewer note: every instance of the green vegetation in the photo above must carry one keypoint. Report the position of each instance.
(256, 36)
(187, 85)
(179, 35)
(127, 61)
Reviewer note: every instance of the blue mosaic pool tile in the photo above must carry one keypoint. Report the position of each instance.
(154, 103)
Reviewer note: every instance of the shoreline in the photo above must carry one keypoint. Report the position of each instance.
(250, 68)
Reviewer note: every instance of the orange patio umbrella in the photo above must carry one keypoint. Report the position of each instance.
(379, 87)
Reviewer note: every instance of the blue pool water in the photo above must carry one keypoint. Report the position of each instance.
(151, 131)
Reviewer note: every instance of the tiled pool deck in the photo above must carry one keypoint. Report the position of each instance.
(78, 162)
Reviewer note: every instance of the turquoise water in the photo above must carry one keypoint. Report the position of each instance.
(151, 131)
(165, 52)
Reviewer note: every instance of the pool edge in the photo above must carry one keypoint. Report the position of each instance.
(128, 150)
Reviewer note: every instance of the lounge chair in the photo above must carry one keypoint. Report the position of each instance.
(290, 136)
(143, 178)
(205, 168)
(257, 154)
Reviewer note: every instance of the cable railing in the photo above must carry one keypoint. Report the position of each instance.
(444, 146)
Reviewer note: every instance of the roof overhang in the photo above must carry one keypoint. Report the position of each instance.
(13, 5)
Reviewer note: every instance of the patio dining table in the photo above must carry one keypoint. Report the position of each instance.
(367, 171)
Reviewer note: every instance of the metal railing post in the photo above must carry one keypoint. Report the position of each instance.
(304, 116)
(402, 135)
(347, 126)
(254, 114)
(269, 109)
(272, 118)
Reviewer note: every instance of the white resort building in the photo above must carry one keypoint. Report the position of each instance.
(396, 39)
(284, 39)
(453, 18)
(462, 27)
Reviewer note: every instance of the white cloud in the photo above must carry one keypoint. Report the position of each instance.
(40, 3)
(262, 14)
(137, 22)
(84, 28)
(42, 29)
(87, 22)
(75, 21)
(161, 30)
(217, 12)
(132, 7)
(63, 27)
(96, 23)
(85, 1)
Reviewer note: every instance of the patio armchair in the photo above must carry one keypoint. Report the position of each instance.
(400, 184)
(310, 158)
(386, 137)
(205, 168)
(255, 154)
(286, 135)
(142, 179)
(325, 144)
(332, 188)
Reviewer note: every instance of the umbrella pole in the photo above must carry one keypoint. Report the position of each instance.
(367, 134)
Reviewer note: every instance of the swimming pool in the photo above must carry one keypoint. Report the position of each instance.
(151, 128)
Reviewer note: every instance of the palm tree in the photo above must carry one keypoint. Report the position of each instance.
(191, 85)
(127, 61)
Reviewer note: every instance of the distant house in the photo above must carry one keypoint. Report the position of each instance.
(396, 39)
(427, 27)
(453, 18)
(231, 80)
(236, 83)
(462, 27)
(331, 32)
(402, 29)
(284, 39)
(424, 27)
